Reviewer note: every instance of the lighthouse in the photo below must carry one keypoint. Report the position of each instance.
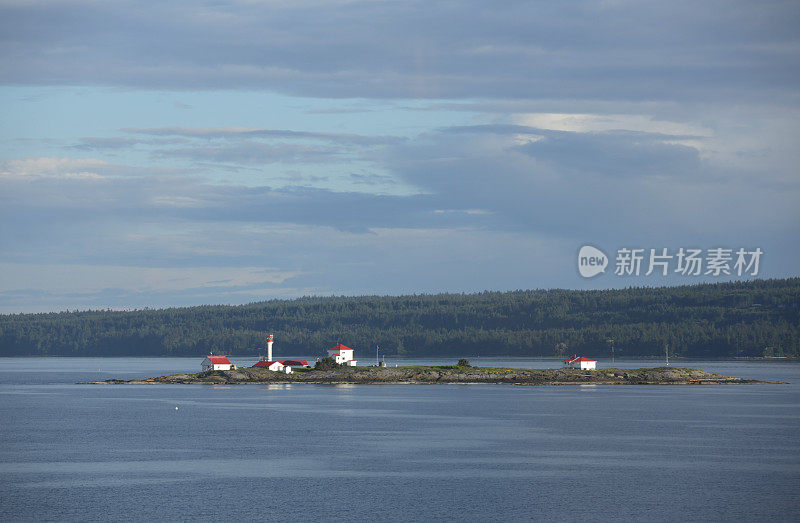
(278, 365)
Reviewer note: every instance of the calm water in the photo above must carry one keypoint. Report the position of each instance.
(394, 452)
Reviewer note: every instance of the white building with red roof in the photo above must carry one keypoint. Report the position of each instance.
(278, 365)
(216, 363)
(270, 365)
(281, 365)
(579, 362)
(342, 354)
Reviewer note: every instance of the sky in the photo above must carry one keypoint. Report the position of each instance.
(157, 154)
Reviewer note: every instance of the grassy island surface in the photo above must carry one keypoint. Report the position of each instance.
(449, 375)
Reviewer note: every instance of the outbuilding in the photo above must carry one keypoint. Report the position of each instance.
(281, 365)
(216, 363)
(270, 365)
(579, 362)
(342, 354)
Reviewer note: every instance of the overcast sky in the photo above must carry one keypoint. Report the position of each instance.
(183, 153)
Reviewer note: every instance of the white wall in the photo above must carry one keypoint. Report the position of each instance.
(582, 365)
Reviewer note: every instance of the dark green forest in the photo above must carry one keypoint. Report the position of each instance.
(738, 319)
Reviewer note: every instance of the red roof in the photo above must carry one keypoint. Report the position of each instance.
(263, 363)
(576, 359)
(295, 363)
(219, 360)
(339, 347)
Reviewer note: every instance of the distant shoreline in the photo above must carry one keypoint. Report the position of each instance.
(754, 318)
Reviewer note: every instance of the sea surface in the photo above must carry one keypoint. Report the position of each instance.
(394, 452)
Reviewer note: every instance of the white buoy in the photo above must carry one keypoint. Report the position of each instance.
(176, 408)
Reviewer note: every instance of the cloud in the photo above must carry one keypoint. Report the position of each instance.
(254, 152)
(477, 146)
(578, 122)
(245, 132)
(535, 50)
(491, 212)
(619, 153)
(595, 186)
(127, 194)
(43, 167)
(244, 145)
(372, 179)
(99, 143)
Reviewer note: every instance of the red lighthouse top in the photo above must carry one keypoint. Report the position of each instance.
(269, 338)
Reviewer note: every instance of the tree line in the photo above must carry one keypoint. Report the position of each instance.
(735, 319)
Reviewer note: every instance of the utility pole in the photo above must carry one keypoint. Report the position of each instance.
(612, 350)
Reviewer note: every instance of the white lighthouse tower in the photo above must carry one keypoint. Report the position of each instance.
(269, 347)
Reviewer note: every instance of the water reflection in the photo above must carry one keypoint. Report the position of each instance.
(277, 386)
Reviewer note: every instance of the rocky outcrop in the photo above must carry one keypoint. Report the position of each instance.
(378, 375)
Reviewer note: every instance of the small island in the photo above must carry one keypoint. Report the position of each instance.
(456, 374)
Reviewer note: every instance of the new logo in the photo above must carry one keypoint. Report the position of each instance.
(591, 261)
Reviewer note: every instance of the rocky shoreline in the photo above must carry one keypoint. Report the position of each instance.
(446, 375)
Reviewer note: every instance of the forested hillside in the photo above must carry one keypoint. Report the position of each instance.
(757, 318)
